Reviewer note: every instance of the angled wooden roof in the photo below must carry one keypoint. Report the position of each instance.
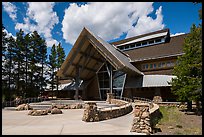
(89, 53)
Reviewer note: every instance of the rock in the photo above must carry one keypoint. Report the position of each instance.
(145, 131)
(27, 107)
(49, 110)
(137, 112)
(56, 111)
(170, 127)
(145, 114)
(38, 112)
(30, 112)
(20, 107)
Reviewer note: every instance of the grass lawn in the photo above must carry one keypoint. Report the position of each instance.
(176, 122)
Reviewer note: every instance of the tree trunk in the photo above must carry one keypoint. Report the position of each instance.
(189, 105)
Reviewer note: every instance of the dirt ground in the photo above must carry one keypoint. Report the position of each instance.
(188, 123)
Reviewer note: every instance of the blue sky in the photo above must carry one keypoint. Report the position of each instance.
(63, 21)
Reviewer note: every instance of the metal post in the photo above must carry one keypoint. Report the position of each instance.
(111, 80)
(77, 84)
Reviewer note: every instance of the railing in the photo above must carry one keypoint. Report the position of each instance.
(123, 98)
(21, 101)
(139, 99)
(126, 104)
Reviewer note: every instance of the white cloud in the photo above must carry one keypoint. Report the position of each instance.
(10, 9)
(110, 19)
(9, 34)
(180, 33)
(147, 24)
(45, 18)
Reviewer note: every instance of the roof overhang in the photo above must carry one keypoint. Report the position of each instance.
(89, 53)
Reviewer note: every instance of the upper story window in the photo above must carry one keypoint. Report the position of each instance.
(157, 40)
(142, 43)
(151, 66)
(151, 42)
(158, 65)
(138, 44)
(155, 65)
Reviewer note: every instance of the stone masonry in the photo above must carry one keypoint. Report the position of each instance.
(141, 120)
(91, 113)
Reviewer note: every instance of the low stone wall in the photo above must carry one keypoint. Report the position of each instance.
(115, 112)
(144, 117)
(69, 106)
(92, 113)
(118, 102)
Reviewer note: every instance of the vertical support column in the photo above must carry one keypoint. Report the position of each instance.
(111, 80)
(77, 84)
(57, 85)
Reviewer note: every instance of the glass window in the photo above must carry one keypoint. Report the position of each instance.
(158, 40)
(138, 44)
(159, 65)
(132, 46)
(151, 66)
(127, 47)
(118, 79)
(121, 47)
(172, 63)
(155, 65)
(168, 64)
(151, 42)
(163, 64)
(146, 66)
(143, 66)
(144, 43)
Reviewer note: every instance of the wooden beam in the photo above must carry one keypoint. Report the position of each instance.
(76, 52)
(80, 66)
(91, 56)
(88, 47)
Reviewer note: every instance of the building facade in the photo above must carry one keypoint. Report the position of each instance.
(139, 66)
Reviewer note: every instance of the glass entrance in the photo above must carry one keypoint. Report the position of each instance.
(118, 80)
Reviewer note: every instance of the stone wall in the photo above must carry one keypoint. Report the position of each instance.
(144, 117)
(92, 113)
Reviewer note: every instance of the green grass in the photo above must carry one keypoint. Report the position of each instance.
(171, 116)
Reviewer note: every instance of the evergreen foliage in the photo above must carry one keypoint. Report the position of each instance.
(188, 84)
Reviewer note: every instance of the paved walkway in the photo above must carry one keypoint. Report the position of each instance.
(68, 123)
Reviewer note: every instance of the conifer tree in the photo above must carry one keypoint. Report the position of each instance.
(53, 64)
(188, 84)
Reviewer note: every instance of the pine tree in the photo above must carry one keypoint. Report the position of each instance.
(4, 48)
(19, 60)
(53, 65)
(60, 55)
(60, 60)
(10, 68)
(188, 84)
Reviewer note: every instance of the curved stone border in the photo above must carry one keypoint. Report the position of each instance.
(92, 113)
(68, 106)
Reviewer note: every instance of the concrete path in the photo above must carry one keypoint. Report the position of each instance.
(68, 123)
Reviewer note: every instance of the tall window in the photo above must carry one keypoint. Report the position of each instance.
(118, 79)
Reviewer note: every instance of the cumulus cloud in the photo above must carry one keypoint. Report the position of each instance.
(8, 34)
(109, 20)
(44, 17)
(147, 24)
(176, 34)
(10, 9)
